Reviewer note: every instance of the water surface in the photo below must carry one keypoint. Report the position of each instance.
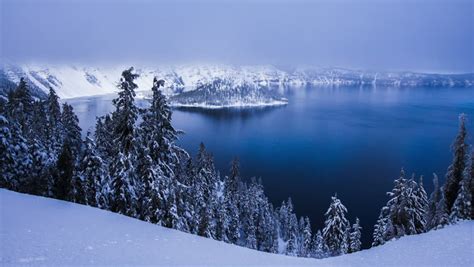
(349, 141)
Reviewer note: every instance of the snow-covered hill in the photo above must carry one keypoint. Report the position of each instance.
(42, 231)
(75, 81)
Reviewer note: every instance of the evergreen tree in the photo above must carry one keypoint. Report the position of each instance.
(104, 138)
(123, 200)
(354, 237)
(335, 227)
(471, 182)
(204, 226)
(157, 132)
(22, 161)
(78, 190)
(400, 208)
(20, 108)
(421, 207)
(306, 238)
(62, 187)
(72, 131)
(7, 155)
(383, 229)
(170, 218)
(318, 249)
(233, 224)
(434, 219)
(292, 242)
(462, 205)
(122, 169)
(231, 200)
(126, 112)
(92, 171)
(37, 125)
(40, 171)
(442, 216)
(147, 199)
(54, 123)
(454, 174)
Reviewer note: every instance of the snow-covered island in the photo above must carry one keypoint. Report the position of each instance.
(133, 166)
(213, 86)
(41, 231)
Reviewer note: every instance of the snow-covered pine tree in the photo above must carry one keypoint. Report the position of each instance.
(157, 133)
(233, 222)
(7, 155)
(383, 229)
(267, 234)
(318, 250)
(54, 125)
(454, 174)
(37, 125)
(78, 189)
(462, 205)
(335, 227)
(399, 208)
(354, 237)
(170, 217)
(421, 207)
(62, 186)
(22, 161)
(147, 176)
(292, 242)
(432, 219)
(251, 234)
(288, 228)
(92, 170)
(122, 198)
(204, 191)
(222, 220)
(104, 138)
(182, 209)
(442, 216)
(471, 183)
(231, 200)
(72, 131)
(306, 239)
(205, 221)
(126, 112)
(20, 108)
(40, 173)
(122, 169)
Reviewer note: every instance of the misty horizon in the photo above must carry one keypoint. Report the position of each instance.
(418, 36)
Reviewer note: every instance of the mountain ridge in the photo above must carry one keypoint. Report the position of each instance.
(244, 83)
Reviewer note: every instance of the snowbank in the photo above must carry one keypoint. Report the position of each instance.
(42, 231)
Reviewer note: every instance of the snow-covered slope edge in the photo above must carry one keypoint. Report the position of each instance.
(42, 231)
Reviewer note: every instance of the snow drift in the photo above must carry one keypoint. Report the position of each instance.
(41, 231)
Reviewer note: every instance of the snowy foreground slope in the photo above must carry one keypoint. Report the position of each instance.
(42, 231)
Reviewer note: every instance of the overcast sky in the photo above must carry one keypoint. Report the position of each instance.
(418, 35)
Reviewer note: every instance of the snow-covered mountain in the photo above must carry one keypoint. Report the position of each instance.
(247, 84)
(41, 231)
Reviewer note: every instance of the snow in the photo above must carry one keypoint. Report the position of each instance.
(238, 104)
(42, 231)
(71, 81)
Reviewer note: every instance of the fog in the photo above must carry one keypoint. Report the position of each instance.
(429, 36)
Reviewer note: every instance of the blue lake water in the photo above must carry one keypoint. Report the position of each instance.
(349, 141)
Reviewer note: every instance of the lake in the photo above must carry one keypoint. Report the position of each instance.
(349, 141)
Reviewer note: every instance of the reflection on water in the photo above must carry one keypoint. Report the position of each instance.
(242, 114)
(352, 141)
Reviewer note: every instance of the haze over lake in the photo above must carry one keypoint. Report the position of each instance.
(349, 141)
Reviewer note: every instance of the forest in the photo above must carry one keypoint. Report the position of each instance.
(131, 165)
